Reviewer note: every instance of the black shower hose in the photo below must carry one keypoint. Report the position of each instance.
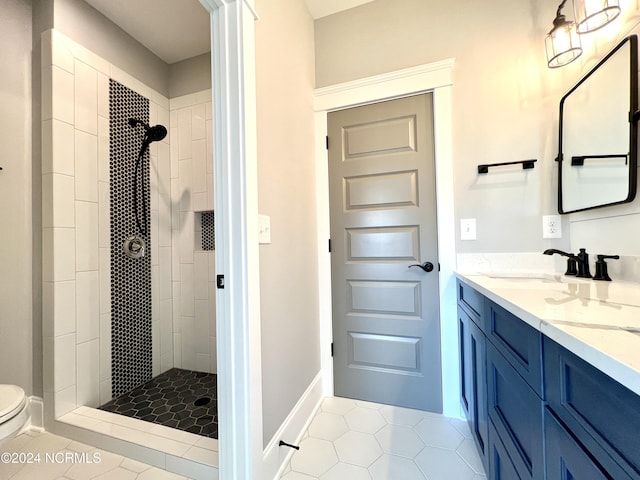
(135, 190)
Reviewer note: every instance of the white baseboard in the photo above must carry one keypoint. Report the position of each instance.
(292, 429)
(36, 413)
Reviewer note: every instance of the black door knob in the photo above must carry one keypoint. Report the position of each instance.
(426, 266)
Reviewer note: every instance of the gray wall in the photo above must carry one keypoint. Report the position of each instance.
(504, 98)
(286, 189)
(190, 76)
(84, 24)
(16, 362)
(505, 106)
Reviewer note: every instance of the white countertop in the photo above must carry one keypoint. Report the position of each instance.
(597, 321)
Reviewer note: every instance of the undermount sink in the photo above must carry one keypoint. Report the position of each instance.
(518, 278)
(524, 276)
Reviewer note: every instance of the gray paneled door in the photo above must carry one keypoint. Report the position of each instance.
(386, 327)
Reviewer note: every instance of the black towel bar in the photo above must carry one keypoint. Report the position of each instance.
(578, 160)
(526, 164)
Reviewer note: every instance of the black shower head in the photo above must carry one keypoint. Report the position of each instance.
(152, 134)
(155, 133)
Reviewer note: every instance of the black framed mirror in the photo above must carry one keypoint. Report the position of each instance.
(598, 134)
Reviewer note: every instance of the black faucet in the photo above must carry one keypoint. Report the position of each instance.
(601, 267)
(583, 259)
(577, 265)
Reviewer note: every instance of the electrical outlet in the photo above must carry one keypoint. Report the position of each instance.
(551, 226)
(467, 229)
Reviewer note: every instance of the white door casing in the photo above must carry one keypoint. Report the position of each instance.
(237, 255)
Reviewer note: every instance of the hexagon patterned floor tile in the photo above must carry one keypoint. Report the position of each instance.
(88, 462)
(182, 399)
(355, 440)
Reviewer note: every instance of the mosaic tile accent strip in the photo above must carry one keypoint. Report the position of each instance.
(208, 230)
(131, 343)
(177, 398)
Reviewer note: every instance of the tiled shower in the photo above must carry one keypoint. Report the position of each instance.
(78, 204)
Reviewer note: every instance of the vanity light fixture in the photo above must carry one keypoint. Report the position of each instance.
(562, 42)
(591, 15)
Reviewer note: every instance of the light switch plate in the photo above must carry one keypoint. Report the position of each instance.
(264, 229)
(467, 229)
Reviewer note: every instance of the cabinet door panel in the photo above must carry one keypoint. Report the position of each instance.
(472, 301)
(516, 412)
(479, 414)
(566, 459)
(520, 344)
(500, 465)
(465, 361)
(473, 380)
(599, 411)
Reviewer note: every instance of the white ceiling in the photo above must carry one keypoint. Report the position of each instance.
(172, 29)
(179, 29)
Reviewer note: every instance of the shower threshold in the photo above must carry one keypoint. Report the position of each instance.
(176, 451)
(178, 398)
(179, 451)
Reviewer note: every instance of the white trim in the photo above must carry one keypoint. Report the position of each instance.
(213, 5)
(324, 257)
(385, 86)
(36, 413)
(437, 78)
(443, 121)
(292, 430)
(237, 255)
(252, 8)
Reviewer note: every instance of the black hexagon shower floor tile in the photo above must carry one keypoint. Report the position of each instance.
(182, 399)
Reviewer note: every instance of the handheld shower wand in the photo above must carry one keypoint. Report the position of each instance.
(152, 134)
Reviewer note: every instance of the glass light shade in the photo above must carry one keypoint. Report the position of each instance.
(562, 45)
(591, 15)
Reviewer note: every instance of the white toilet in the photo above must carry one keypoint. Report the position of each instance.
(14, 411)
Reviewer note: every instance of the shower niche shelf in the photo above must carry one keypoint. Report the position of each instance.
(205, 235)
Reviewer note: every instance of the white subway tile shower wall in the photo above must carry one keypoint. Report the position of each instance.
(193, 276)
(76, 225)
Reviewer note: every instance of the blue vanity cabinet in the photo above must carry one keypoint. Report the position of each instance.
(515, 389)
(515, 411)
(565, 458)
(519, 343)
(473, 378)
(500, 465)
(500, 381)
(464, 348)
(472, 302)
(548, 415)
(600, 415)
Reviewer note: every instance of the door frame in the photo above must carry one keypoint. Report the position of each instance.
(433, 77)
(237, 255)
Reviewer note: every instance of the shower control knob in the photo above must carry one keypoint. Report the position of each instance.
(134, 246)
